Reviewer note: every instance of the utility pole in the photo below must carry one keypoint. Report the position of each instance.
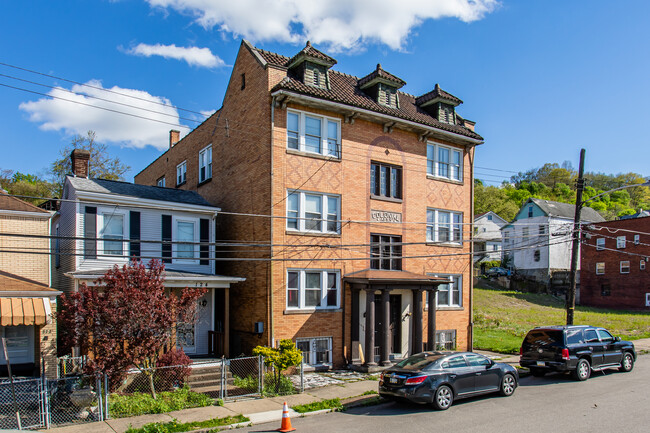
(571, 295)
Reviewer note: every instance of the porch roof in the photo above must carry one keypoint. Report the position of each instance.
(172, 278)
(24, 301)
(376, 276)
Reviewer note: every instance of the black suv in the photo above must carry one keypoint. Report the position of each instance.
(578, 349)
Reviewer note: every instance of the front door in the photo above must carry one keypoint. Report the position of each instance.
(395, 323)
(192, 336)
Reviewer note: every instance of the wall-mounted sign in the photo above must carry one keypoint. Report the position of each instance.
(382, 216)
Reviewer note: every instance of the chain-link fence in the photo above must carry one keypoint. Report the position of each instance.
(45, 403)
(70, 365)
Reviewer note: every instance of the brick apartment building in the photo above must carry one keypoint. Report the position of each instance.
(347, 204)
(27, 301)
(613, 265)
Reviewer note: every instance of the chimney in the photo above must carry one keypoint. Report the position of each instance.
(174, 137)
(80, 158)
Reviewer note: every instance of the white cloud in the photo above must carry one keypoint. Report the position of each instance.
(194, 56)
(111, 127)
(340, 24)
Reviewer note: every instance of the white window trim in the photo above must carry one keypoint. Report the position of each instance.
(602, 271)
(175, 259)
(620, 242)
(433, 171)
(312, 353)
(598, 246)
(101, 214)
(637, 239)
(324, 212)
(161, 182)
(435, 226)
(323, 288)
(627, 266)
(451, 283)
(642, 265)
(182, 167)
(207, 165)
(302, 147)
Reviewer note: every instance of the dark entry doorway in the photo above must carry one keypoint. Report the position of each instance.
(396, 323)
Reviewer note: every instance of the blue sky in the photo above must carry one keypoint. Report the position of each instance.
(542, 78)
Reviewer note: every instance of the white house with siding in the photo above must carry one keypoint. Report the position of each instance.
(487, 237)
(537, 242)
(108, 222)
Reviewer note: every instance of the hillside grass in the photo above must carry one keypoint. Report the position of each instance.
(503, 317)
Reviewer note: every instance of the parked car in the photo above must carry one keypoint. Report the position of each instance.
(576, 349)
(497, 272)
(442, 377)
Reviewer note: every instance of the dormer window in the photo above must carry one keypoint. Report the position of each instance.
(387, 96)
(315, 75)
(446, 113)
(382, 86)
(310, 66)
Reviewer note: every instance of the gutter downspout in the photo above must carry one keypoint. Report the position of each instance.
(270, 277)
(470, 336)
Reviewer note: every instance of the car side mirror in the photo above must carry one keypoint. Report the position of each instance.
(490, 365)
(617, 339)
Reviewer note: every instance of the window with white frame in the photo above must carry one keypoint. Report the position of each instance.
(530, 211)
(445, 162)
(312, 289)
(205, 164)
(625, 266)
(316, 351)
(620, 242)
(186, 230)
(444, 226)
(524, 235)
(637, 239)
(600, 268)
(112, 233)
(450, 294)
(181, 173)
(600, 244)
(314, 134)
(313, 212)
(642, 264)
(446, 340)
(542, 230)
(161, 182)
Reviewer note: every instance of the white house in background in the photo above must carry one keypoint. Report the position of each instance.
(537, 242)
(487, 237)
(114, 221)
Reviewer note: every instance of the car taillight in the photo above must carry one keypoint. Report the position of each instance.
(415, 380)
(381, 377)
(521, 351)
(565, 354)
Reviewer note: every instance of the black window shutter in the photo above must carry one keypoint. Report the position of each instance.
(204, 235)
(90, 233)
(134, 234)
(167, 238)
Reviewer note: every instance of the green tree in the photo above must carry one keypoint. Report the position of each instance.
(100, 166)
(26, 186)
(280, 358)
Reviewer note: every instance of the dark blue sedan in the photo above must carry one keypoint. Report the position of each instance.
(442, 377)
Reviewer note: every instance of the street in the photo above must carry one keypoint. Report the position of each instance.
(609, 401)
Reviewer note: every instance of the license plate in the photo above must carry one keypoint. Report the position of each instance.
(541, 363)
(393, 380)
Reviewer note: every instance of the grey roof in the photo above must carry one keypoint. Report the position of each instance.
(139, 191)
(567, 210)
(640, 214)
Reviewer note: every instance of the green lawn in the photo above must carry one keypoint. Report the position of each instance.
(503, 317)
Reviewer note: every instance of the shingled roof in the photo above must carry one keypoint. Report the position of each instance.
(345, 89)
(567, 210)
(14, 204)
(139, 191)
(437, 93)
(380, 73)
(313, 53)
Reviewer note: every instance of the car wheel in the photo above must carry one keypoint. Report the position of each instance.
(537, 372)
(627, 364)
(443, 398)
(508, 385)
(583, 370)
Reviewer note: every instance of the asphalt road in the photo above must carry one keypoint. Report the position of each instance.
(608, 401)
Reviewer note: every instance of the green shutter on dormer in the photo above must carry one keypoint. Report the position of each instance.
(315, 75)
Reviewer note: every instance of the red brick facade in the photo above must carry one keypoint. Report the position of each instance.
(253, 171)
(615, 284)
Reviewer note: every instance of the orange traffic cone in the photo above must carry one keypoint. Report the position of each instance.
(286, 421)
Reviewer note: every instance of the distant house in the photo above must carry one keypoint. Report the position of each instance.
(27, 300)
(537, 242)
(487, 237)
(110, 222)
(614, 264)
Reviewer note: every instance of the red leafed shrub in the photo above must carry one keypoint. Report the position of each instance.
(176, 369)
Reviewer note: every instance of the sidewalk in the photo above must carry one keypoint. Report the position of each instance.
(258, 410)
